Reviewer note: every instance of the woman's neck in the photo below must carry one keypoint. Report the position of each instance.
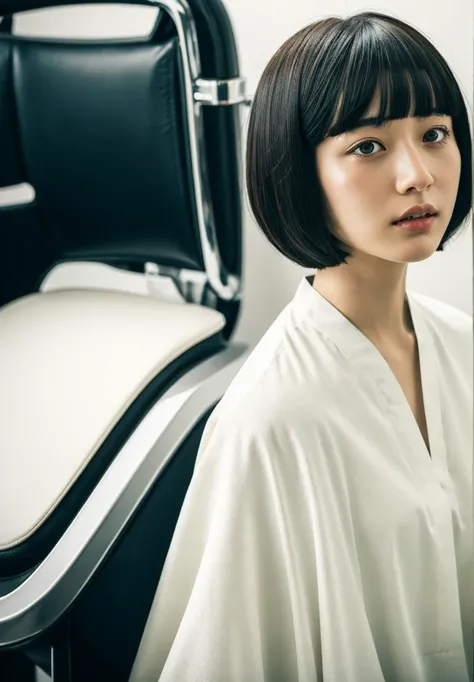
(376, 305)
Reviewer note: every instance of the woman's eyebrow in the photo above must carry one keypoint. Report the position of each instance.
(364, 123)
(372, 121)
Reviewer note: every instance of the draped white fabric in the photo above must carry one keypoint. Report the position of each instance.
(319, 541)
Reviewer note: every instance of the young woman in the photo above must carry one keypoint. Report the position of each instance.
(327, 533)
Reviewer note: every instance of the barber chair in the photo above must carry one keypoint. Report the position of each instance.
(132, 148)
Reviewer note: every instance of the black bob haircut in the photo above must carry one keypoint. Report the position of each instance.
(320, 83)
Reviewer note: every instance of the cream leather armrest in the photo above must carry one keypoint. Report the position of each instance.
(71, 363)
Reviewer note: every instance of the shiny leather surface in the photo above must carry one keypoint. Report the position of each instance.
(99, 130)
(102, 135)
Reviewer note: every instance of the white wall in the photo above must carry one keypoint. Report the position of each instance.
(261, 26)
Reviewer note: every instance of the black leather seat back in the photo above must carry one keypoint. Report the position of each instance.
(99, 129)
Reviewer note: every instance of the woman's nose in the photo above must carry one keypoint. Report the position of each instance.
(412, 171)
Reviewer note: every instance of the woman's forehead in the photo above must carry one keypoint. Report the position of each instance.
(381, 112)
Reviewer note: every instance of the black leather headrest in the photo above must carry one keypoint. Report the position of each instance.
(99, 130)
(103, 143)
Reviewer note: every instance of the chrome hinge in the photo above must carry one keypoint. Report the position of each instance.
(187, 285)
(220, 93)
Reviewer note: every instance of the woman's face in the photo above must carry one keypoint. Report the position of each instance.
(370, 176)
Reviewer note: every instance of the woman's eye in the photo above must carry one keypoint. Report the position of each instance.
(444, 139)
(368, 145)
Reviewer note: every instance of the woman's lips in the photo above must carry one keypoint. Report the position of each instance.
(416, 224)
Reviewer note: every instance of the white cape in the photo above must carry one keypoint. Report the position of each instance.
(319, 541)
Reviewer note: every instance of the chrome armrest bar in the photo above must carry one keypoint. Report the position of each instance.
(198, 92)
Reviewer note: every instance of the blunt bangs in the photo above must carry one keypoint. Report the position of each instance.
(321, 83)
(406, 71)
